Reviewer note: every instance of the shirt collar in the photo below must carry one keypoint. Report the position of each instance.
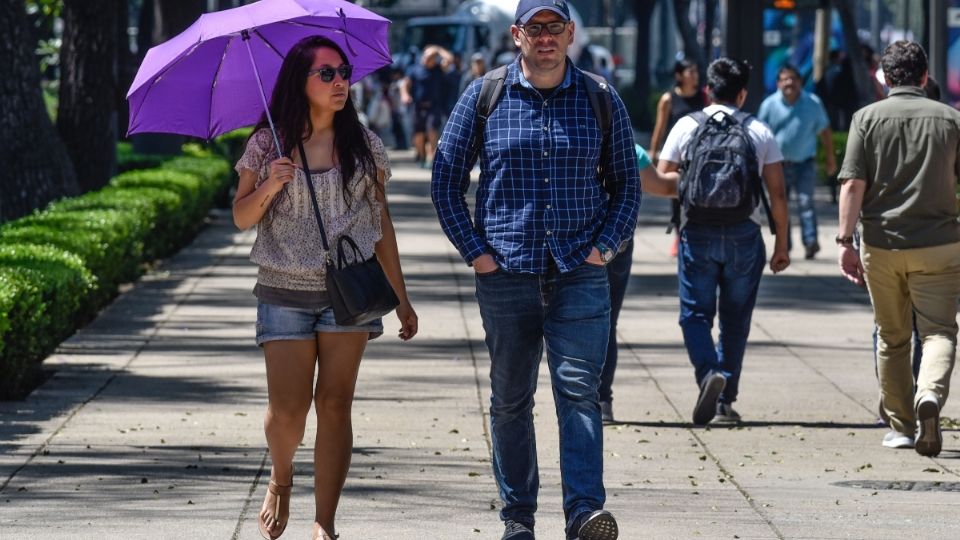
(907, 90)
(515, 75)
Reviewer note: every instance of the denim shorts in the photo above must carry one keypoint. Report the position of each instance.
(275, 323)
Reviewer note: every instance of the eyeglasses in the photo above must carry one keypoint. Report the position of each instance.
(327, 73)
(535, 29)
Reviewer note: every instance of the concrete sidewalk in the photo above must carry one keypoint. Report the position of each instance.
(151, 426)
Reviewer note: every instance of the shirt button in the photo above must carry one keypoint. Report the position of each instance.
(545, 128)
(546, 180)
(548, 207)
(549, 233)
(545, 154)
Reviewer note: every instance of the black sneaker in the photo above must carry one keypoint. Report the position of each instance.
(929, 440)
(606, 412)
(726, 415)
(710, 389)
(811, 251)
(517, 530)
(599, 525)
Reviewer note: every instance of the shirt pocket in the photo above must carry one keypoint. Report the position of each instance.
(577, 140)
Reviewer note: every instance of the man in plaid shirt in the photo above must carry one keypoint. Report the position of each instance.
(544, 228)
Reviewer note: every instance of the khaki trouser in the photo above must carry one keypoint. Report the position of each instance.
(927, 281)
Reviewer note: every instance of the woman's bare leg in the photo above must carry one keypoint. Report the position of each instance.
(339, 362)
(290, 367)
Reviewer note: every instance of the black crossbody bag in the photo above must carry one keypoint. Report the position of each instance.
(359, 290)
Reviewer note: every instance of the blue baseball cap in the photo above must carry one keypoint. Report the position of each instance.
(526, 9)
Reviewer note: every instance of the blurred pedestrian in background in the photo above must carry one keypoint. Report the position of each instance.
(426, 89)
(798, 119)
(478, 67)
(685, 97)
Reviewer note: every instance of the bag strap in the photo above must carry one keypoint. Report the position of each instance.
(598, 91)
(342, 256)
(313, 199)
(742, 118)
(490, 90)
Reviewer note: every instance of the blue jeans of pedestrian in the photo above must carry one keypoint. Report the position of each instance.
(801, 178)
(569, 315)
(728, 259)
(618, 273)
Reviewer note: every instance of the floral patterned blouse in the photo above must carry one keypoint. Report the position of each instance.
(288, 248)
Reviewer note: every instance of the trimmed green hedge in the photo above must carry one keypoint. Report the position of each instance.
(60, 265)
(43, 297)
(839, 150)
(128, 160)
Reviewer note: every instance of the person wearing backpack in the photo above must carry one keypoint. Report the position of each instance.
(725, 157)
(558, 195)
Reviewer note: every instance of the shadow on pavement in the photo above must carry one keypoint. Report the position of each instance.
(751, 424)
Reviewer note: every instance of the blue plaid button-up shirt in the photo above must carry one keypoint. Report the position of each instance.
(539, 195)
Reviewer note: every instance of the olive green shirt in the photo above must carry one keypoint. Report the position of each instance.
(906, 147)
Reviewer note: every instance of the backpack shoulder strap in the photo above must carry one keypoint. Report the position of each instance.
(490, 90)
(699, 117)
(742, 118)
(598, 90)
(601, 101)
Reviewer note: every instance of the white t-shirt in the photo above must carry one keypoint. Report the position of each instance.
(675, 148)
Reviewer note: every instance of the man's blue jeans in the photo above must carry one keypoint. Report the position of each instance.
(728, 259)
(570, 314)
(801, 178)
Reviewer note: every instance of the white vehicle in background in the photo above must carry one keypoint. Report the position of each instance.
(484, 26)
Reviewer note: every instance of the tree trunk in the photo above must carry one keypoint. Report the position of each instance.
(709, 24)
(173, 17)
(145, 25)
(861, 73)
(126, 67)
(691, 49)
(36, 168)
(743, 42)
(87, 117)
(643, 11)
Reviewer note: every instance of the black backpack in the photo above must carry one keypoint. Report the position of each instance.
(598, 90)
(720, 183)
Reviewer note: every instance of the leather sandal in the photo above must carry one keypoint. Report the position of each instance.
(321, 534)
(281, 507)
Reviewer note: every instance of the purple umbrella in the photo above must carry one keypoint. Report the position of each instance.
(214, 77)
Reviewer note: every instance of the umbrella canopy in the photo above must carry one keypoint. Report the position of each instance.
(203, 82)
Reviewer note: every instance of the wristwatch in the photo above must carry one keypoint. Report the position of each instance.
(844, 240)
(606, 254)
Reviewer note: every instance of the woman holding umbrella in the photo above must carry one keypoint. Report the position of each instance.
(318, 128)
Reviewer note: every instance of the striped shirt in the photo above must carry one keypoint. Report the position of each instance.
(539, 196)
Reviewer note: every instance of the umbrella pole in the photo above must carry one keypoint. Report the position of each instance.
(245, 35)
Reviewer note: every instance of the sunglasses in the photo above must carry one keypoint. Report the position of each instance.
(327, 73)
(535, 29)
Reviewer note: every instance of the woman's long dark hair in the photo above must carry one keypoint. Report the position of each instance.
(680, 66)
(290, 110)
